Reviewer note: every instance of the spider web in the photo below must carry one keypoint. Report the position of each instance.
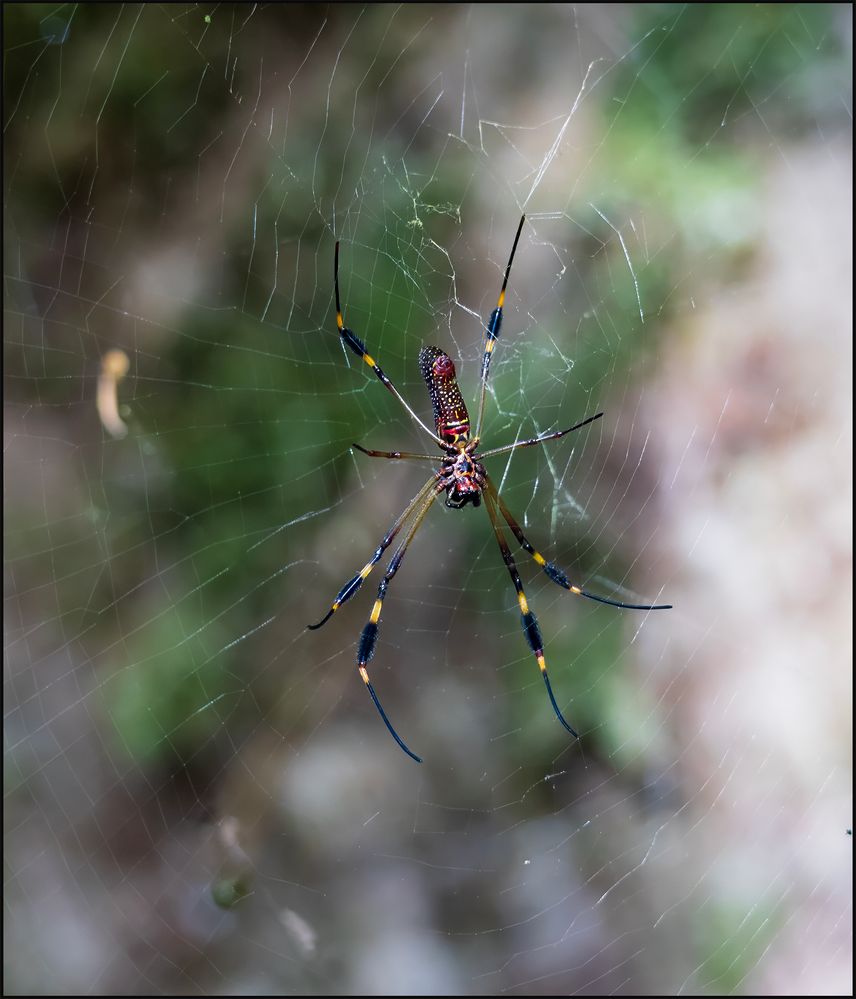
(200, 797)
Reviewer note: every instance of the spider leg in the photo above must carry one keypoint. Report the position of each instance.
(528, 619)
(397, 454)
(552, 570)
(494, 324)
(539, 440)
(359, 348)
(351, 587)
(368, 638)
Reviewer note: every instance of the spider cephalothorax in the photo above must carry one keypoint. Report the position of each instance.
(463, 478)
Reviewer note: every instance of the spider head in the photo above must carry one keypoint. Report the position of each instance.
(459, 496)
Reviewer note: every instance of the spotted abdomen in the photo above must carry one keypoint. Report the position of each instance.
(450, 411)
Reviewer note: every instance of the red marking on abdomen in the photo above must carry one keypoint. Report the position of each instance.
(454, 431)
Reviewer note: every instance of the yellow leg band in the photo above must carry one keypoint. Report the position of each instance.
(364, 674)
(541, 664)
(576, 589)
(539, 558)
(376, 611)
(524, 606)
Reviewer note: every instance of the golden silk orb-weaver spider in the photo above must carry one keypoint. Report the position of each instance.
(463, 477)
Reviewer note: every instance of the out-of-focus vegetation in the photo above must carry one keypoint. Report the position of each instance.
(174, 177)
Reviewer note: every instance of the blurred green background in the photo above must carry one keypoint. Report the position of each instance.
(199, 796)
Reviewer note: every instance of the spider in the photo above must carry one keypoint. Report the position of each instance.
(464, 479)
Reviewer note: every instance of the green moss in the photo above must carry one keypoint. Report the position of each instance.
(169, 691)
(227, 892)
(730, 940)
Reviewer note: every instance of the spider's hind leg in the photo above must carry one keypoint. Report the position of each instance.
(351, 587)
(528, 619)
(551, 569)
(369, 635)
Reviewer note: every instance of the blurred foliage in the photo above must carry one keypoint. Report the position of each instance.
(171, 573)
(168, 697)
(730, 940)
(761, 46)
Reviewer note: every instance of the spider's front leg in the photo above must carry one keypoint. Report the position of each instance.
(492, 330)
(354, 343)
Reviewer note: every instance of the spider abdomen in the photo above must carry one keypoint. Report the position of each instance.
(450, 411)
